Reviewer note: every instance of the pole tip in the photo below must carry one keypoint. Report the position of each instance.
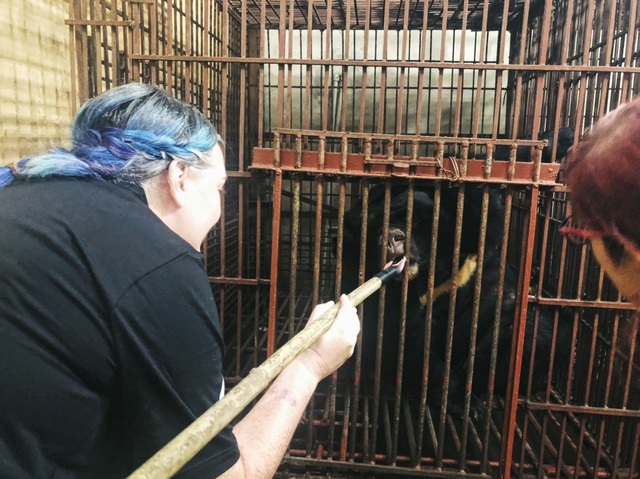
(398, 263)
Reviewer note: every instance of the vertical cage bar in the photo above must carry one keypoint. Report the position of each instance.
(474, 326)
(511, 403)
(288, 99)
(306, 123)
(365, 56)
(344, 96)
(334, 377)
(450, 327)
(461, 72)
(262, 51)
(358, 353)
(275, 248)
(632, 29)
(481, 74)
(380, 325)
(188, 49)
(606, 56)
(425, 413)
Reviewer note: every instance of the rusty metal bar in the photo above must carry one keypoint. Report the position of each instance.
(508, 202)
(382, 86)
(293, 258)
(518, 337)
(403, 57)
(424, 412)
(460, 76)
(288, 113)
(380, 320)
(358, 354)
(170, 21)
(566, 33)
(542, 59)
(187, 46)
(327, 67)
(345, 70)
(437, 65)
(539, 292)
(474, 323)
(317, 242)
(240, 251)
(410, 137)
(588, 33)
(629, 53)
(282, 34)
(361, 276)
(95, 30)
(315, 297)
(402, 326)
(334, 376)
(606, 57)
(371, 468)
(365, 50)
(597, 303)
(275, 248)
(238, 281)
(450, 326)
(78, 68)
(306, 123)
(427, 168)
(222, 252)
(512, 127)
(423, 56)
(224, 74)
(257, 316)
(111, 74)
(154, 43)
(443, 32)
(263, 53)
(568, 408)
(483, 42)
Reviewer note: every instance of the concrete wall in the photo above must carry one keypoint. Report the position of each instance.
(35, 75)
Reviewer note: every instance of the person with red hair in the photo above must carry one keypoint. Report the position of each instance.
(603, 171)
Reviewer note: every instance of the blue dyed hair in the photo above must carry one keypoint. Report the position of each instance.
(129, 133)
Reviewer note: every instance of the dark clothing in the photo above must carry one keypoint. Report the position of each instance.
(110, 343)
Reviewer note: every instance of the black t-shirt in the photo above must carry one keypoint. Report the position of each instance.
(110, 343)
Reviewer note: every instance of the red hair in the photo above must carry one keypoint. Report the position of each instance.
(603, 171)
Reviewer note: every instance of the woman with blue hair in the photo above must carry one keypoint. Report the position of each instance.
(110, 342)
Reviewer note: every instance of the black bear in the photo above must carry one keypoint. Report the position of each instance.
(418, 255)
(523, 153)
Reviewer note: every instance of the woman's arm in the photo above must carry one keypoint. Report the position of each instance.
(264, 434)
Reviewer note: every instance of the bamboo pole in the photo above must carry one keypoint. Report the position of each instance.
(170, 459)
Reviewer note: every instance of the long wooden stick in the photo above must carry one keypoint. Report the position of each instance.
(168, 460)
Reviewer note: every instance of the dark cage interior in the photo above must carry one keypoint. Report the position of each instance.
(357, 131)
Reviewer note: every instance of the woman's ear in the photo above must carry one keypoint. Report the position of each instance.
(177, 177)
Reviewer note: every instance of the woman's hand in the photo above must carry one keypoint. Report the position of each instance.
(334, 347)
